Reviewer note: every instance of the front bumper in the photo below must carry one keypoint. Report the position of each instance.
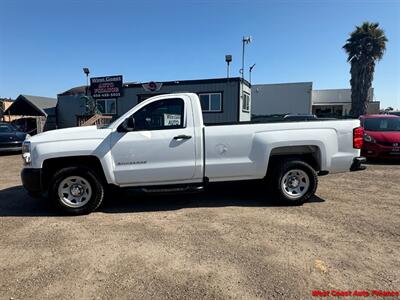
(10, 146)
(375, 150)
(32, 179)
(357, 164)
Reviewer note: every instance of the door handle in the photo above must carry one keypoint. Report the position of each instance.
(182, 137)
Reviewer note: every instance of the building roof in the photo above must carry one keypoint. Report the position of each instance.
(190, 81)
(82, 89)
(28, 105)
(39, 101)
(281, 84)
(6, 100)
(75, 90)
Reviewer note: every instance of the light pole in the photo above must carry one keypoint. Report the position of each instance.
(228, 59)
(246, 40)
(251, 69)
(87, 72)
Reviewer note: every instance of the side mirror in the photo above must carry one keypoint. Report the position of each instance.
(127, 125)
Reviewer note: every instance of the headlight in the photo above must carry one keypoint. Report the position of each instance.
(26, 152)
(369, 138)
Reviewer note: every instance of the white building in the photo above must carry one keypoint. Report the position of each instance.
(337, 102)
(281, 98)
(300, 98)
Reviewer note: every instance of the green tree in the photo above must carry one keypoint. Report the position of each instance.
(364, 47)
(90, 105)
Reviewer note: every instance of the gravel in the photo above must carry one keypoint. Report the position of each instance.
(230, 242)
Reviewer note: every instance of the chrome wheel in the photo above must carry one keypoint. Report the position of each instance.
(74, 191)
(295, 184)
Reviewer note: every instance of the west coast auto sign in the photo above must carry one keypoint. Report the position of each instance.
(106, 87)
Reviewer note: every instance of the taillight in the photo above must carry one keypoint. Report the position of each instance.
(358, 135)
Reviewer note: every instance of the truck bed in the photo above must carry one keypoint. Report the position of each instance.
(244, 148)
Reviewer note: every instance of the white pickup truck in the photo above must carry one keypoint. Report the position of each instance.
(162, 144)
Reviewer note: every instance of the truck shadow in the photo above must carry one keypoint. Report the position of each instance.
(14, 201)
(10, 153)
(383, 162)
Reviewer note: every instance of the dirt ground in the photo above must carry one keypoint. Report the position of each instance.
(231, 242)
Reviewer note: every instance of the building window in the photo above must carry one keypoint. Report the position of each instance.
(211, 102)
(107, 106)
(246, 102)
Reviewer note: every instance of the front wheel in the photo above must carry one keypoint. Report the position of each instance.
(294, 182)
(76, 190)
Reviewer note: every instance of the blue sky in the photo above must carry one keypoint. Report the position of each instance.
(45, 44)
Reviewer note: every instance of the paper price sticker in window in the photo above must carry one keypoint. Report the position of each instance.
(172, 120)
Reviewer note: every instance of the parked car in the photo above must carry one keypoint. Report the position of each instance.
(10, 138)
(163, 145)
(381, 136)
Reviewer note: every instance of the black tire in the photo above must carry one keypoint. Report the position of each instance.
(96, 185)
(277, 175)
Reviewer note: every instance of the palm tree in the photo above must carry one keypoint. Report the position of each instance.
(364, 47)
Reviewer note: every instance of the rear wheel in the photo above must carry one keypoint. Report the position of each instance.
(294, 182)
(76, 190)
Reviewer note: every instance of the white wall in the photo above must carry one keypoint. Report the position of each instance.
(342, 97)
(243, 114)
(282, 98)
(335, 96)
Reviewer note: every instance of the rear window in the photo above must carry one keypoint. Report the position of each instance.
(382, 124)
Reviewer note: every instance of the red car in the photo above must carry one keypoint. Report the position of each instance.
(381, 136)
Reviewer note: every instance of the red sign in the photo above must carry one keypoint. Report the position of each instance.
(106, 87)
(152, 86)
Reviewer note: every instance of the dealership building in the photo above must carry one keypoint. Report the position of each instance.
(222, 100)
(337, 102)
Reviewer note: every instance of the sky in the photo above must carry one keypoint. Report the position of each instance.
(45, 44)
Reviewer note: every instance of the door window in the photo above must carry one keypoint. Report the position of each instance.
(158, 115)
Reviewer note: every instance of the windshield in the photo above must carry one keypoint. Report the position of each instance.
(382, 124)
(6, 128)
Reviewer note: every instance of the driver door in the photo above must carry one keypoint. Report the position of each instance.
(161, 147)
